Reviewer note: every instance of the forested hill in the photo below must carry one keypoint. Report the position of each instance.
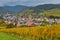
(16, 8)
(38, 9)
(4, 11)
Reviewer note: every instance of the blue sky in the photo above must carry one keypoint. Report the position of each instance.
(27, 2)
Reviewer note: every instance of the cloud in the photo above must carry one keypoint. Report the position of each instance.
(27, 2)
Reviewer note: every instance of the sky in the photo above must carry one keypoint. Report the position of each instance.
(27, 2)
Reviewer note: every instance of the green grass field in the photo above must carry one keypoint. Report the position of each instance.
(4, 36)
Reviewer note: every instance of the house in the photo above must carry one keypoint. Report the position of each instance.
(30, 24)
(51, 20)
(8, 22)
(18, 24)
(46, 19)
(57, 20)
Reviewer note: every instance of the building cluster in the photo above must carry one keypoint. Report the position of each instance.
(28, 21)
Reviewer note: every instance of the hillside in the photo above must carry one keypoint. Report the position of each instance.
(4, 11)
(52, 12)
(38, 9)
(16, 8)
(26, 11)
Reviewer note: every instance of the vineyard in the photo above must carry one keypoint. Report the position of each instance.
(40, 32)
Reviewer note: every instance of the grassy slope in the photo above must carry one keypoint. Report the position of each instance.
(4, 36)
(54, 12)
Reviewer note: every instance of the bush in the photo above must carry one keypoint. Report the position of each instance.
(23, 26)
(44, 23)
(10, 26)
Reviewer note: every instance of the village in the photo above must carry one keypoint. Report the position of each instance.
(28, 21)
